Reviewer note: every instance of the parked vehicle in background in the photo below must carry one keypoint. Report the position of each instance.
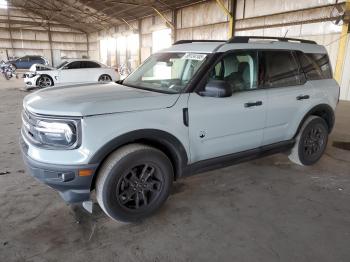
(69, 72)
(7, 70)
(27, 61)
(196, 106)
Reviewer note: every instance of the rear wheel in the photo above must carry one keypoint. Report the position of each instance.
(104, 78)
(44, 81)
(134, 182)
(311, 142)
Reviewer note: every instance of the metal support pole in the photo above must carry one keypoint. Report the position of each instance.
(230, 16)
(174, 21)
(140, 39)
(50, 42)
(87, 45)
(342, 46)
(10, 32)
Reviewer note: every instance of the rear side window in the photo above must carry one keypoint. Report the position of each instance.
(89, 64)
(279, 69)
(315, 66)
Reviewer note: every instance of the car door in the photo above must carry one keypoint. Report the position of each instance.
(22, 62)
(73, 73)
(93, 70)
(288, 94)
(223, 126)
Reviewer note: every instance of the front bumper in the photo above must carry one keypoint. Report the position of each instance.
(29, 82)
(65, 179)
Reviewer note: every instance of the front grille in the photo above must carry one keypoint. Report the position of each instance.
(28, 127)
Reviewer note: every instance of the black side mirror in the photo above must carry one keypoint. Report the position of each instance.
(216, 88)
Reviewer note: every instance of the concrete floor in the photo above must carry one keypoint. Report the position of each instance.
(263, 210)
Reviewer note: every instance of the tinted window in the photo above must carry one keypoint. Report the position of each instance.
(89, 64)
(74, 65)
(279, 69)
(315, 66)
(239, 69)
(24, 58)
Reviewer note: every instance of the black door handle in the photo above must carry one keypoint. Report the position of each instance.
(250, 104)
(302, 97)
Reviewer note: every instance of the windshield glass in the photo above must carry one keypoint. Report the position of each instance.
(62, 64)
(166, 72)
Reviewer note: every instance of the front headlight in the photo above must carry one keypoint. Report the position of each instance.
(56, 133)
(51, 133)
(29, 75)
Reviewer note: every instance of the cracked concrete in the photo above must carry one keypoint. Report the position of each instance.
(264, 210)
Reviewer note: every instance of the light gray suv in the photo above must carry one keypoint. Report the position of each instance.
(196, 106)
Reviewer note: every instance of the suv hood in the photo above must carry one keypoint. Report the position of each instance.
(95, 99)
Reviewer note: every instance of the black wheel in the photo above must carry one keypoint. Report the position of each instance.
(134, 182)
(104, 78)
(44, 81)
(311, 141)
(14, 67)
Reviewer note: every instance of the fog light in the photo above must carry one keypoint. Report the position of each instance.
(69, 176)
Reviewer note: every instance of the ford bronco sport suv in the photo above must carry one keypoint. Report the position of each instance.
(193, 107)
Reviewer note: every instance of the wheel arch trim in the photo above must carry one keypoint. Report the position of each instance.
(319, 108)
(153, 137)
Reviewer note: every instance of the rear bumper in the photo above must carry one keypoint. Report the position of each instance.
(65, 179)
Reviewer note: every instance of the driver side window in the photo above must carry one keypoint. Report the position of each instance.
(238, 69)
(74, 65)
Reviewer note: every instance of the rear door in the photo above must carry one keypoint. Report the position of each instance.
(93, 70)
(288, 94)
(223, 126)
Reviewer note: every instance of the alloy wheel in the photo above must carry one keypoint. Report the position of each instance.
(44, 81)
(314, 141)
(139, 187)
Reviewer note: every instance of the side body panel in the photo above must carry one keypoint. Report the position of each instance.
(285, 111)
(222, 126)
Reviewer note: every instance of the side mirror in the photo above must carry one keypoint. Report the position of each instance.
(217, 88)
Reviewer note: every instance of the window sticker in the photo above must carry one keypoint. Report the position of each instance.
(193, 56)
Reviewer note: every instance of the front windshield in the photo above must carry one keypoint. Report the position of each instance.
(166, 72)
(62, 64)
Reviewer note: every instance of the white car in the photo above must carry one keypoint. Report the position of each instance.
(69, 72)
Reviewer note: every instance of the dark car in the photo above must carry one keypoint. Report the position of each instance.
(27, 61)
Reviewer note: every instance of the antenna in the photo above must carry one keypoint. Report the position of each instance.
(286, 33)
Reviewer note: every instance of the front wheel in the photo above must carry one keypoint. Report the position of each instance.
(311, 142)
(44, 81)
(134, 182)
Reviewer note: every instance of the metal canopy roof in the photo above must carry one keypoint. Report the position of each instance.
(94, 15)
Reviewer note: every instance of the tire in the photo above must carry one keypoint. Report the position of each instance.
(105, 78)
(14, 67)
(120, 191)
(44, 81)
(311, 142)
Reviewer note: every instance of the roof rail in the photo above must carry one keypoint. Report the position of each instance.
(245, 39)
(197, 41)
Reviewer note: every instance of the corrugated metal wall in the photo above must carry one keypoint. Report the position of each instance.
(30, 36)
